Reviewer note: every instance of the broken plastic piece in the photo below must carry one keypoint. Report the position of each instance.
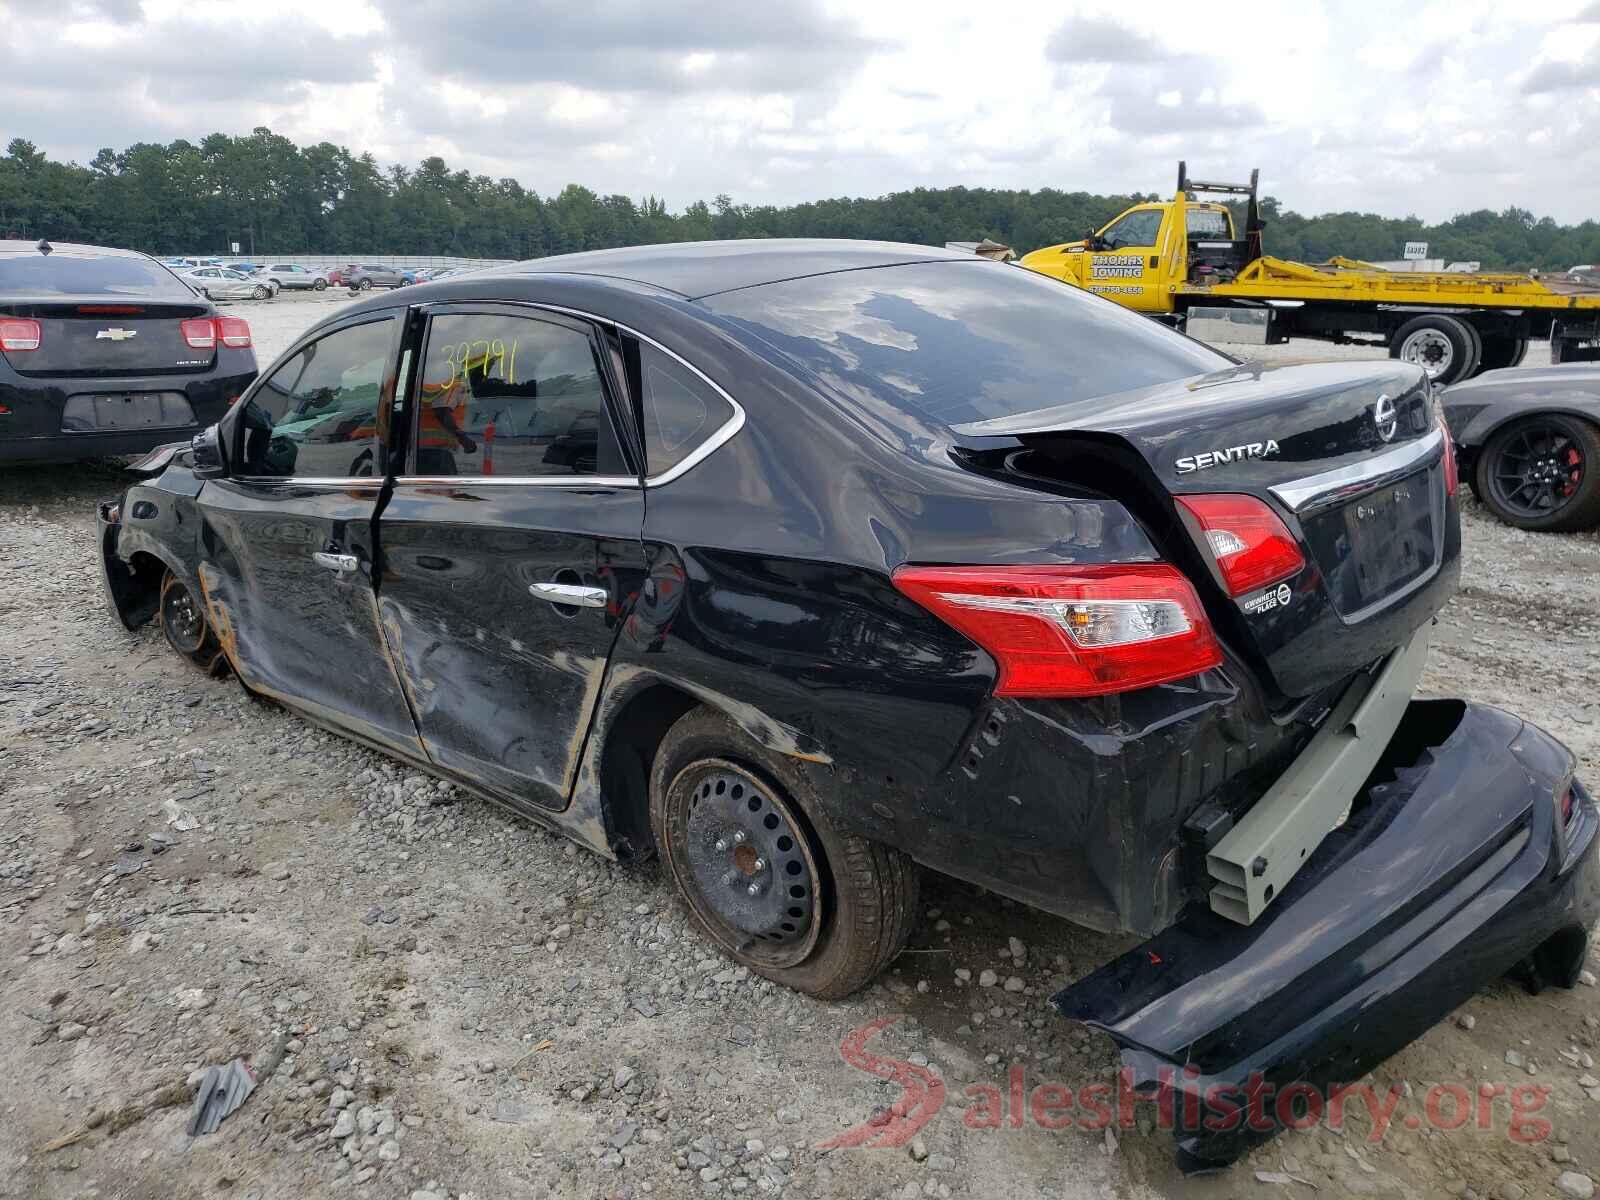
(222, 1090)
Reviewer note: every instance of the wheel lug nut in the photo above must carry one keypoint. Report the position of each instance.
(722, 843)
(761, 864)
(738, 835)
(730, 877)
(754, 889)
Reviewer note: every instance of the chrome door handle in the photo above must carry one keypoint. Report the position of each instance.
(342, 563)
(570, 593)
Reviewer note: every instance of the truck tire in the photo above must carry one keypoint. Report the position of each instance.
(767, 878)
(1542, 473)
(1501, 350)
(1446, 347)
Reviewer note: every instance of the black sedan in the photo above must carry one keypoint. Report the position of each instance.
(1530, 443)
(106, 351)
(806, 565)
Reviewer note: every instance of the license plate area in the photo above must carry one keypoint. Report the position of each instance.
(1377, 546)
(103, 412)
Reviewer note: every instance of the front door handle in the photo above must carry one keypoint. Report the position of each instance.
(344, 564)
(570, 593)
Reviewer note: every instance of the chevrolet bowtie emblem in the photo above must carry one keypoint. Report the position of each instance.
(116, 335)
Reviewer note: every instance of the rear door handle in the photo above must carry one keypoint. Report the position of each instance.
(344, 564)
(570, 593)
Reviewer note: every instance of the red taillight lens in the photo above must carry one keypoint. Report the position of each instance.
(1252, 547)
(1072, 631)
(18, 333)
(199, 332)
(1566, 802)
(234, 331)
(1452, 474)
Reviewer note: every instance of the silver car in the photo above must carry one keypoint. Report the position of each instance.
(220, 283)
(294, 277)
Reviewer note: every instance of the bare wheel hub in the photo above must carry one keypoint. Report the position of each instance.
(749, 857)
(1429, 349)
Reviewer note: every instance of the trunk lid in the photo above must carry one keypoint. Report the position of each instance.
(97, 335)
(1348, 455)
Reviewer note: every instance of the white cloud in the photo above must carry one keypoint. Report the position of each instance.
(1439, 108)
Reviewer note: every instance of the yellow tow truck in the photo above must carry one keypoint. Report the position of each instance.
(1183, 261)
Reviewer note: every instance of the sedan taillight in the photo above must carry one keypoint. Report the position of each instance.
(19, 333)
(1251, 545)
(233, 331)
(199, 333)
(1072, 630)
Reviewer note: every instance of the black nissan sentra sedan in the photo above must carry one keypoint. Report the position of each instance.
(806, 565)
(106, 351)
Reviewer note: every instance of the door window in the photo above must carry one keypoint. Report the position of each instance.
(512, 396)
(1136, 229)
(1207, 223)
(317, 414)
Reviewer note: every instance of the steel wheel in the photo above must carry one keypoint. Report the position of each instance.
(1540, 473)
(753, 867)
(184, 624)
(1430, 350)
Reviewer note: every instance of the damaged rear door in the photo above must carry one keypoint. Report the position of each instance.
(288, 555)
(512, 545)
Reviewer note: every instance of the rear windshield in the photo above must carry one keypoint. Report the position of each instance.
(62, 275)
(955, 342)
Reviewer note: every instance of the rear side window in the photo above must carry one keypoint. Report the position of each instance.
(61, 275)
(954, 342)
(317, 414)
(513, 396)
(681, 410)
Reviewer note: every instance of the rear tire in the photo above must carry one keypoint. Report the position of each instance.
(320, 285)
(1526, 467)
(183, 621)
(261, 292)
(719, 805)
(1501, 350)
(1445, 347)
(365, 285)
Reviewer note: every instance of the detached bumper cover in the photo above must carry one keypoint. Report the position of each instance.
(1450, 873)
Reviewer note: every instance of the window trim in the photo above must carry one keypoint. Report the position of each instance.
(385, 401)
(708, 446)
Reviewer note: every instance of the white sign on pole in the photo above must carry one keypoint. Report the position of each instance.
(1416, 250)
(235, 249)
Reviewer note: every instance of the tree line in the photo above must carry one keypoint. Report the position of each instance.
(267, 193)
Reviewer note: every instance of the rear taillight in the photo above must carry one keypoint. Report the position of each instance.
(1072, 631)
(199, 332)
(1566, 801)
(1452, 474)
(1251, 545)
(233, 331)
(18, 333)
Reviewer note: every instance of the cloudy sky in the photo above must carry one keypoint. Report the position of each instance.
(1389, 106)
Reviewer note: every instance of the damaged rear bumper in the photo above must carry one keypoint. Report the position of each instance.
(1455, 866)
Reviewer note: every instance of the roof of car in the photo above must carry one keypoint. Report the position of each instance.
(70, 249)
(698, 269)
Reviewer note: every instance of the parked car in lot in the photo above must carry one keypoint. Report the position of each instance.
(361, 277)
(221, 283)
(804, 565)
(104, 352)
(1529, 440)
(295, 277)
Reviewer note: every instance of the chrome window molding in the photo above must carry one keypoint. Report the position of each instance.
(310, 480)
(1330, 486)
(707, 447)
(571, 481)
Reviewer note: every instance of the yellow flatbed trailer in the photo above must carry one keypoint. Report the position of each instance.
(1182, 261)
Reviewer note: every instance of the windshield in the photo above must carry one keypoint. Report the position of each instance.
(61, 275)
(959, 341)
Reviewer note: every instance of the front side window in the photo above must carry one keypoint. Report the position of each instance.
(680, 409)
(512, 396)
(317, 414)
(1136, 229)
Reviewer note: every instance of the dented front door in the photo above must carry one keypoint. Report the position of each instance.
(512, 549)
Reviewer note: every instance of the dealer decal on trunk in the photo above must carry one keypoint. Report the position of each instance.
(1268, 600)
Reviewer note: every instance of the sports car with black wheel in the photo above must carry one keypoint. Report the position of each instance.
(106, 352)
(1529, 441)
(807, 567)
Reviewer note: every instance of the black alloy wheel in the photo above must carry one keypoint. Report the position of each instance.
(1543, 473)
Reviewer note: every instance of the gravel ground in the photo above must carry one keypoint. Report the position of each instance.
(466, 1005)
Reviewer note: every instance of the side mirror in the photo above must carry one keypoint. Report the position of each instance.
(210, 459)
(1091, 241)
